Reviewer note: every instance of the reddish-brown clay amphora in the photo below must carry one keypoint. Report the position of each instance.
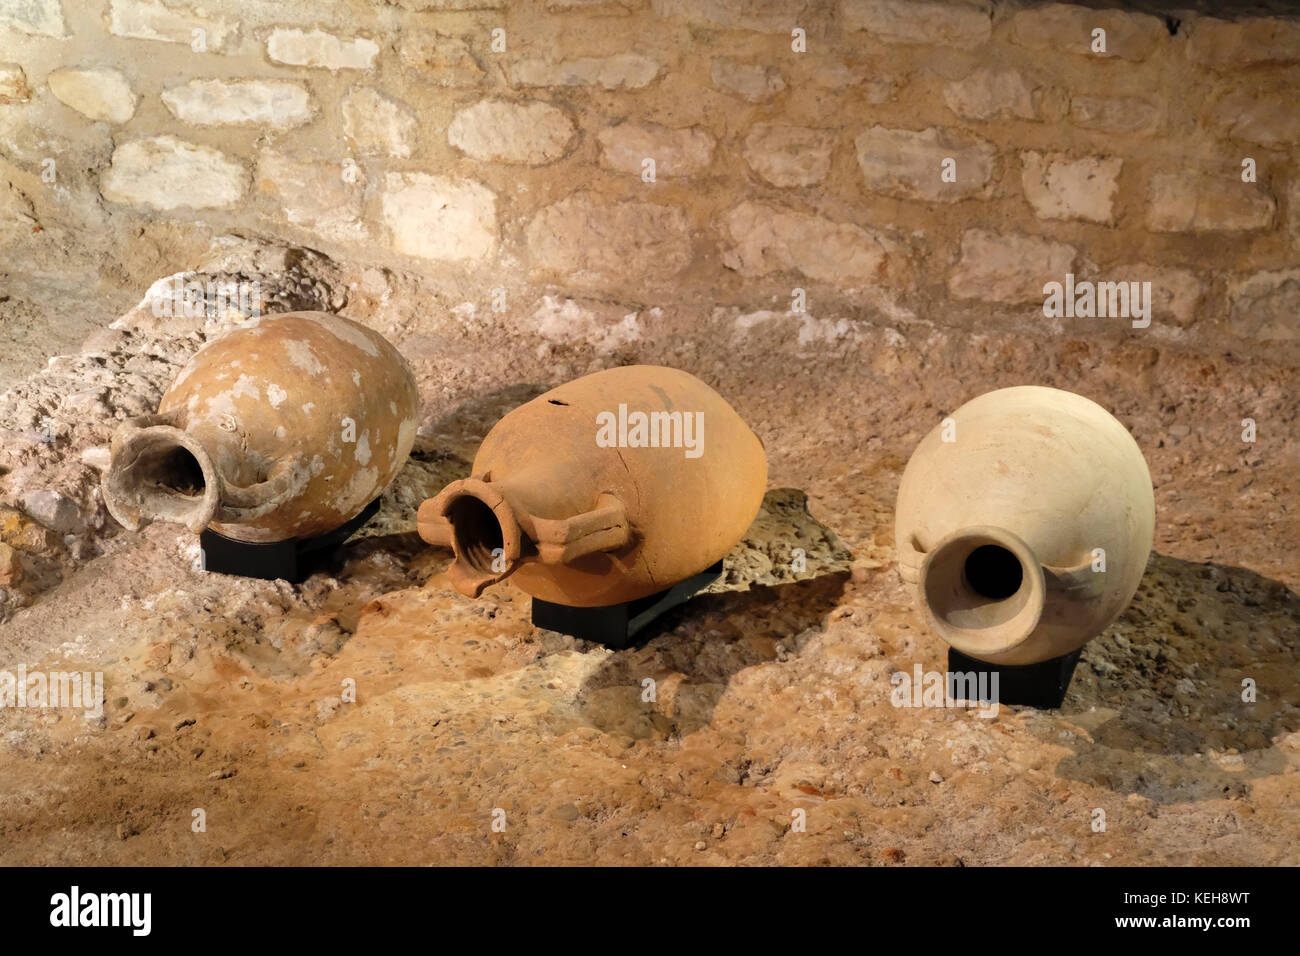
(570, 498)
(1009, 512)
(284, 428)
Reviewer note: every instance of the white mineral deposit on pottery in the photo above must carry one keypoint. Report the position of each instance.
(235, 447)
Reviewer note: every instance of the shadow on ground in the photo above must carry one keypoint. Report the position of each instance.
(1185, 694)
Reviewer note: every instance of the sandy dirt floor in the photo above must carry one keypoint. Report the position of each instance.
(772, 690)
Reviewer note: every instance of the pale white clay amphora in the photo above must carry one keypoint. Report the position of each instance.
(1004, 530)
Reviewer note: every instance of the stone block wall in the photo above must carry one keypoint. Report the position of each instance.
(904, 161)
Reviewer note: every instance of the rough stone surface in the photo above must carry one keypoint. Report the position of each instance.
(751, 81)
(379, 125)
(168, 173)
(594, 7)
(320, 49)
(13, 84)
(965, 23)
(11, 569)
(766, 238)
(762, 16)
(832, 74)
(451, 5)
(437, 217)
(598, 245)
(1177, 294)
(169, 23)
(314, 194)
(1266, 305)
(1226, 45)
(1008, 268)
(989, 103)
(275, 103)
(53, 509)
(1114, 114)
(676, 152)
(98, 94)
(1189, 200)
(504, 132)
(1065, 28)
(37, 17)
(789, 155)
(444, 60)
(836, 74)
(990, 93)
(1269, 119)
(1293, 211)
(623, 71)
(1059, 187)
(909, 163)
(17, 215)
(569, 323)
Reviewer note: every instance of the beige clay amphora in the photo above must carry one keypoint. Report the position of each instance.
(1004, 530)
(284, 428)
(613, 487)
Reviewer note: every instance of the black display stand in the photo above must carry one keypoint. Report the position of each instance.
(615, 625)
(293, 560)
(1042, 685)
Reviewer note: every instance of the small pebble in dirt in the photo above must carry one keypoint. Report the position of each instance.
(701, 845)
(935, 777)
(54, 510)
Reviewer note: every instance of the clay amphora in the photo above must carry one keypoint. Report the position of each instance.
(284, 428)
(613, 487)
(999, 528)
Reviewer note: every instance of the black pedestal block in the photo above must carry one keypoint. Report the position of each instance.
(293, 560)
(615, 625)
(1041, 685)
